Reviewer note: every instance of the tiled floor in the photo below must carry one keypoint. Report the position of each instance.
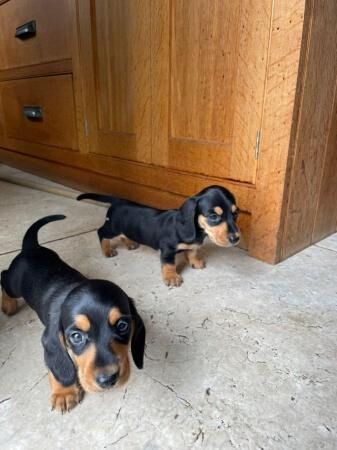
(243, 355)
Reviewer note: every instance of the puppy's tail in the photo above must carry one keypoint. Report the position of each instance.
(98, 198)
(30, 238)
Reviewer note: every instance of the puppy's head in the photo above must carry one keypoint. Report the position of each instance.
(99, 321)
(214, 211)
(217, 215)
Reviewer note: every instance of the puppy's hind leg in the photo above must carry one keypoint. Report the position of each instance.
(130, 245)
(9, 305)
(108, 241)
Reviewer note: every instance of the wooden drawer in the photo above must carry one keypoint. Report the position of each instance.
(52, 40)
(54, 95)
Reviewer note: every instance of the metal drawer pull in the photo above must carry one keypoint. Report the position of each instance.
(33, 112)
(26, 30)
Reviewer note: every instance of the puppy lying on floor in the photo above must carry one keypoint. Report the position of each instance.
(212, 212)
(88, 323)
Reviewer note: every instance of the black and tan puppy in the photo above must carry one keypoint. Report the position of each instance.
(88, 323)
(212, 212)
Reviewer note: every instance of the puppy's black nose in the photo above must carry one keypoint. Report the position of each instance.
(233, 239)
(106, 381)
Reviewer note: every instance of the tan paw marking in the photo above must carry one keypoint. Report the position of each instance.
(64, 398)
(130, 245)
(194, 260)
(108, 248)
(67, 400)
(9, 305)
(198, 264)
(170, 275)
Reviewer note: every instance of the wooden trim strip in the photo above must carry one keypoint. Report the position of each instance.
(160, 178)
(38, 70)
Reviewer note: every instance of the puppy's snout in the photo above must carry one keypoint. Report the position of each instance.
(233, 239)
(106, 380)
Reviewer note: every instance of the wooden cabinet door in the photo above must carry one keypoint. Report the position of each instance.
(115, 50)
(176, 83)
(208, 74)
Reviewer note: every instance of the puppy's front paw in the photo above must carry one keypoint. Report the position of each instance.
(198, 264)
(173, 279)
(66, 399)
(133, 246)
(194, 260)
(170, 276)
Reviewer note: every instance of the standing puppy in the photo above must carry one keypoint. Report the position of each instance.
(212, 212)
(88, 323)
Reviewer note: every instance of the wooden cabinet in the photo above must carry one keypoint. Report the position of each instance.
(37, 66)
(160, 98)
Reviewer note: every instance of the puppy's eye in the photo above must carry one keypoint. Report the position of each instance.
(214, 218)
(77, 338)
(122, 326)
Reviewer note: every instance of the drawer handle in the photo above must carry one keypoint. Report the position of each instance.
(26, 31)
(33, 112)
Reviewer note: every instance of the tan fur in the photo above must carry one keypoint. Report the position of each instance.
(9, 305)
(109, 247)
(121, 351)
(87, 371)
(86, 368)
(82, 322)
(183, 246)
(217, 234)
(130, 245)
(234, 208)
(170, 276)
(64, 398)
(114, 316)
(218, 210)
(195, 260)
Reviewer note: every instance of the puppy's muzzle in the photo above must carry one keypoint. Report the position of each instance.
(234, 239)
(106, 381)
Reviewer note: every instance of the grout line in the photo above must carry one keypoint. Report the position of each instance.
(325, 248)
(52, 240)
(70, 194)
(41, 187)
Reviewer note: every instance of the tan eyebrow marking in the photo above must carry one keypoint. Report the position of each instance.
(234, 208)
(82, 322)
(218, 210)
(114, 315)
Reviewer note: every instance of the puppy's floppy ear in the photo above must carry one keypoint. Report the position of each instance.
(56, 357)
(138, 336)
(186, 220)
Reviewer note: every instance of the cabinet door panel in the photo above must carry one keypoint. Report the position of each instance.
(208, 68)
(118, 78)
